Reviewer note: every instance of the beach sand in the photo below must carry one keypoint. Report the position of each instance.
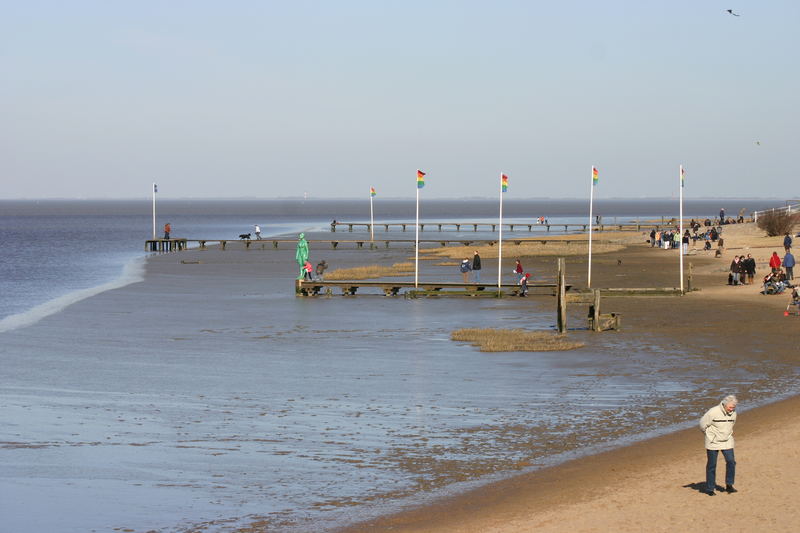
(654, 485)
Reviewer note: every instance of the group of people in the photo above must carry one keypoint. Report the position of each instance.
(669, 239)
(474, 266)
(742, 270)
(308, 269)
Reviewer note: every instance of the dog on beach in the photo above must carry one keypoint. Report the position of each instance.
(244, 236)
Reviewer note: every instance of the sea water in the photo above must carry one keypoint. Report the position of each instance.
(193, 402)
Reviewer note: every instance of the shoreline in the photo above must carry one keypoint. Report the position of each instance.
(618, 489)
(572, 496)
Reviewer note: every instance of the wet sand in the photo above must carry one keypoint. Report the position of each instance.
(654, 484)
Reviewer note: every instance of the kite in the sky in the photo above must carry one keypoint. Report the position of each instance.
(731, 12)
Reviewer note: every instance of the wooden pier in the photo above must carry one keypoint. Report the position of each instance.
(174, 245)
(441, 226)
(165, 245)
(427, 288)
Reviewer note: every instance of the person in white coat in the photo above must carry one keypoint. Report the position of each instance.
(717, 426)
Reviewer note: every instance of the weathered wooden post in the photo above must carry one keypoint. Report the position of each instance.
(562, 297)
(689, 279)
(596, 326)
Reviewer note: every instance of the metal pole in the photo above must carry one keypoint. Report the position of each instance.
(371, 219)
(154, 210)
(416, 246)
(500, 240)
(680, 223)
(591, 222)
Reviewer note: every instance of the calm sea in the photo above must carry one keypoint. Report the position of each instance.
(58, 252)
(202, 401)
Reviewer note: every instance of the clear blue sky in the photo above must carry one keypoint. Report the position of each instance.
(266, 99)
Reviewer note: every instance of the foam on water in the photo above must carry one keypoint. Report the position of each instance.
(133, 272)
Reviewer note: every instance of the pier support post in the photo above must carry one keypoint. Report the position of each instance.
(561, 307)
(689, 279)
(596, 311)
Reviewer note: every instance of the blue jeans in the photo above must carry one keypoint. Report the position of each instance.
(711, 468)
(477, 274)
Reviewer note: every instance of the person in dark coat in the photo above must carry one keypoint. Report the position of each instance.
(787, 242)
(476, 266)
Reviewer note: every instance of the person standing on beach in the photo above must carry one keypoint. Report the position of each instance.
(465, 268)
(476, 266)
(717, 425)
(722, 216)
(167, 230)
(775, 262)
(787, 242)
(788, 264)
(750, 267)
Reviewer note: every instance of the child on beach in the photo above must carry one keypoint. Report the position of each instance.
(523, 285)
(308, 268)
(465, 268)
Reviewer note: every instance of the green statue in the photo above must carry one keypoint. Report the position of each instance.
(301, 255)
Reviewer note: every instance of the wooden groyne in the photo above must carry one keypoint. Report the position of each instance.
(174, 245)
(427, 288)
(441, 226)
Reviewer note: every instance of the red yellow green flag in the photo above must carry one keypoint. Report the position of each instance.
(372, 191)
(420, 179)
(503, 182)
(594, 176)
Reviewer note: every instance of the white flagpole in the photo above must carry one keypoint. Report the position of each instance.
(500, 240)
(591, 222)
(371, 219)
(680, 222)
(416, 245)
(154, 211)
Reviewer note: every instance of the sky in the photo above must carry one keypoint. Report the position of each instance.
(271, 99)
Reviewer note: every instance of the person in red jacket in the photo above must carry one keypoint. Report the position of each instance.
(775, 262)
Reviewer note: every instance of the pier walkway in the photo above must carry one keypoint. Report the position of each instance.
(426, 288)
(403, 226)
(175, 245)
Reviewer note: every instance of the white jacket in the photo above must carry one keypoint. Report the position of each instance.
(717, 425)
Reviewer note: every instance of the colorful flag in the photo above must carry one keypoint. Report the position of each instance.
(594, 176)
(420, 179)
(682, 176)
(503, 182)
(372, 191)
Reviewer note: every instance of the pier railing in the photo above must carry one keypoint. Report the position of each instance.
(440, 226)
(174, 245)
(791, 207)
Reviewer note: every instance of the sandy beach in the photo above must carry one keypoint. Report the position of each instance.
(654, 485)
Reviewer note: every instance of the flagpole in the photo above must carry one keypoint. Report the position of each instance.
(591, 222)
(154, 211)
(416, 245)
(680, 222)
(500, 240)
(371, 219)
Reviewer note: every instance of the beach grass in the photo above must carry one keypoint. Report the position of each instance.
(371, 272)
(514, 340)
(524, 249)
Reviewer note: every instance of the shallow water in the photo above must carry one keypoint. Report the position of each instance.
(176, 406)
(208, 395)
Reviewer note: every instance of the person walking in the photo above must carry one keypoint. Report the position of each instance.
(775, 262)
(322, 266)
(736, 270)
(519, 271)
(258, 231)
(523, 285)
(788, 264)
(787, 242)
(652, 238)
(307, 269)
(167, 230)
(685, 242)
(476, 266)
(750, 267)
(465, 268)
(717, 426)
